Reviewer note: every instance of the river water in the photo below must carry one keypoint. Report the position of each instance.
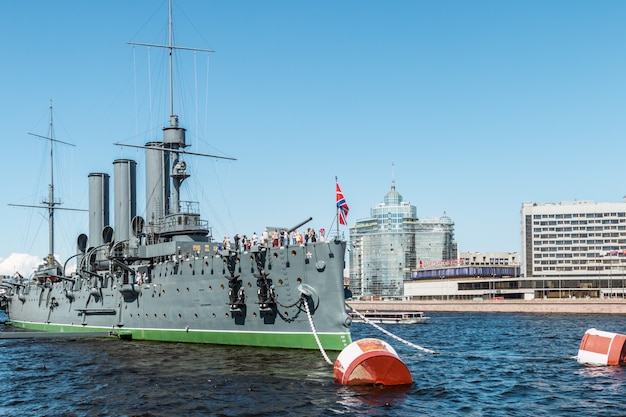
(487, 365)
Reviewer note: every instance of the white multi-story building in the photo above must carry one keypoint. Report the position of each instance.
(573, 239)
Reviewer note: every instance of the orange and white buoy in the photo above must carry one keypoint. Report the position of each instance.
(602, 348)
(370, 362)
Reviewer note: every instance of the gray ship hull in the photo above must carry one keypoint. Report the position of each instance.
(190, 298)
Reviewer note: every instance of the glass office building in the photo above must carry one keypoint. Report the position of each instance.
(392, 242)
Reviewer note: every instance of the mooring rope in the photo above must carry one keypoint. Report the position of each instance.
(388, 333)
(317, 339)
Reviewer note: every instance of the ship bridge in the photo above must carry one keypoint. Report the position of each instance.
(186, 222)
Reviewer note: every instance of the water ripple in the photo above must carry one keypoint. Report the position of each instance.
(489, 365)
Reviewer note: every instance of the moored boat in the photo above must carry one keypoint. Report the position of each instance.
(390, 317)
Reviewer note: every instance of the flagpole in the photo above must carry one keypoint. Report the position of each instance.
(336, 208)
(342, 206)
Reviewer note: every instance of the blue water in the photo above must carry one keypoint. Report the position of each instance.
(488, 365)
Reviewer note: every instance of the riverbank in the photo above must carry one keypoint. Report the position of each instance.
(543, 306)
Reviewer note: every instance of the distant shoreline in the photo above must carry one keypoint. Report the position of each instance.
(557, 306)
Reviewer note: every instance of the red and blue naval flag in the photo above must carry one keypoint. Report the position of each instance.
(342, 206)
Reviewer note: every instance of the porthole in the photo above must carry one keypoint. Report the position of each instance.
(299, 280)
(293, 253)
(280, 281)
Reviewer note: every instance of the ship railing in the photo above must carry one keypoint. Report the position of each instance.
(180, 223)
(190, 207)
(333, 235)
(186, 221)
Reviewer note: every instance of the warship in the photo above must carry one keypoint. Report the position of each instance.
(163, 277)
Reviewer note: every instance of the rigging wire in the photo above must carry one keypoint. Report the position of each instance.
(317, 339)
(135, 90)
(388, 333)
(149, 89)
(206, 97)
(195, 80)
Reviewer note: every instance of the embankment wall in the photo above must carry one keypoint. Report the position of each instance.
(562, 306)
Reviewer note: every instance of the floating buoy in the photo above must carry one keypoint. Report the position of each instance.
(602, 348)
(370, 362)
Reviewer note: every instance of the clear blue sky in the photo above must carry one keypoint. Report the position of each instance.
(479, 105)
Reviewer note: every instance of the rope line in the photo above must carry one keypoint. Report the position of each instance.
(388, 333)
(317, 339)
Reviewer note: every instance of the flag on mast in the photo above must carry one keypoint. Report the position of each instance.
(342, 206)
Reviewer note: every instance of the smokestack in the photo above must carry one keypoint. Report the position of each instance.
(98, 206)
(125, 197)
(157, 184)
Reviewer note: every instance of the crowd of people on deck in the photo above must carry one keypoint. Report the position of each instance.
(274, 238)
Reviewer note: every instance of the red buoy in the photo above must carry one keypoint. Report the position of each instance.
(370, 362)
(602, 348)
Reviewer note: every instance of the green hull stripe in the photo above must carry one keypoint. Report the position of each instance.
(330, 341)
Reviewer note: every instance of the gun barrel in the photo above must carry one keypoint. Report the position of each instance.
(300, 224)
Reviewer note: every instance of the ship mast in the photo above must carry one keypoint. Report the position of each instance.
(173, 135)
(171, 48)
(177, 137)
(51, 203)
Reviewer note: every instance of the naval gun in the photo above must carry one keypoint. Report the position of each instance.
(300, 224)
